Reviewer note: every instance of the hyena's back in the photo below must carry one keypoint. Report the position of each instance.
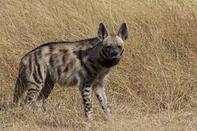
(48, 64)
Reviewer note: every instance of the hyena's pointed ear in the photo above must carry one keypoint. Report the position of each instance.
(102, 32)
(123, 32)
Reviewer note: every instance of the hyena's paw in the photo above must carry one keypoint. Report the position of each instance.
(108, 114)
(89, 115)
(39, 109)
(38, 106)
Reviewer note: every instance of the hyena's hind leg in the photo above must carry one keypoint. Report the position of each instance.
(33, 90)
(44, 93)
(18, 91)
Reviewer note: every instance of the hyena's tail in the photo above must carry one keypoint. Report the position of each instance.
(17, 91)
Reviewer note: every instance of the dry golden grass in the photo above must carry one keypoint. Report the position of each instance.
(154, 87)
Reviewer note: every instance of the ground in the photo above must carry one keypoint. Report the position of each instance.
(153, 87)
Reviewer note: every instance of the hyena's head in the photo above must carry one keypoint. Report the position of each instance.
(112, 45)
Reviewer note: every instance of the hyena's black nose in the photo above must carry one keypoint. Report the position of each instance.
(114, 53)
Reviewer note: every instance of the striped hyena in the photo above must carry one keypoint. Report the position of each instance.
(84, 63)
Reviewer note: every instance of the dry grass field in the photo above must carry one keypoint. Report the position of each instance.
(154, 88)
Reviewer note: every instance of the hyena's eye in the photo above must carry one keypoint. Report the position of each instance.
(108, 47)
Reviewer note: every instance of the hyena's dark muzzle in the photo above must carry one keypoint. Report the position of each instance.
(113, 51)
(111, 55)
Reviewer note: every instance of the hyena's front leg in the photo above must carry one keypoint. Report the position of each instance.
(101, 96)
(86, 92)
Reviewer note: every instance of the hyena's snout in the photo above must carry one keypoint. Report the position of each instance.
(114, 51)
